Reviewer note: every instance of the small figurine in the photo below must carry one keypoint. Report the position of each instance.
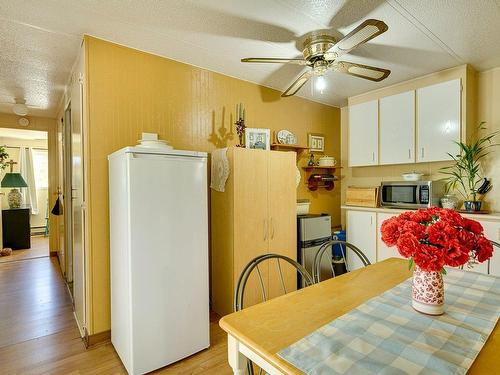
(311, 162)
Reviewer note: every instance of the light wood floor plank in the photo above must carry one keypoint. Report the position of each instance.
(38, 333)
(39, 248)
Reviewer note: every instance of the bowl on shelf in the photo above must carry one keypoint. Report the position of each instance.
(327, 161)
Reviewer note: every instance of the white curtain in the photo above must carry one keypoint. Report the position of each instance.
(26, 168)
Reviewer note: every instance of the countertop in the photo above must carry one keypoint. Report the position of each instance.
(492, 216)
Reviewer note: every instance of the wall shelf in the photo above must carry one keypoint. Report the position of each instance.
(317, 170)
(283, 147)
(322, 168)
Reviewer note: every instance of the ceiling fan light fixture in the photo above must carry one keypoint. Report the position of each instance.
(321, 52)
(320, 83)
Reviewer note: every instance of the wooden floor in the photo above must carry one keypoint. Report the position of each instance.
(38, 334)
(39, 248)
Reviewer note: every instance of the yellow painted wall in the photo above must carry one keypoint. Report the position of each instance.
(130, 92)
(373, 175)
(489, 111)
(49, 125)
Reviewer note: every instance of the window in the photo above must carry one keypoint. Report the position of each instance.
(41, 168)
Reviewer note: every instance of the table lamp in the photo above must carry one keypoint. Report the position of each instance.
(13, 180)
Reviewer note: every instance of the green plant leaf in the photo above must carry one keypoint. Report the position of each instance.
(443, 271)
(465, 173)
(410, 263)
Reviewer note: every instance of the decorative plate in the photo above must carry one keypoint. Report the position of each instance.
(286, 137)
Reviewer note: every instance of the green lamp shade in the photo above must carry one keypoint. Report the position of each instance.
(13, 180)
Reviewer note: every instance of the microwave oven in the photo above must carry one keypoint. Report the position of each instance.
(411, 194)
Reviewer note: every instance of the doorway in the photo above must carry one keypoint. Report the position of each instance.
(71, 163)
(25, 217)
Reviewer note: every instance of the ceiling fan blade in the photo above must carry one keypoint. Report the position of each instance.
(353, 11)
(371, 73)
(297, 85)
(278, 60)
(361, 34)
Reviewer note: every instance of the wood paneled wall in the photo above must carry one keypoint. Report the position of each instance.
(130, 92)
(50, 126)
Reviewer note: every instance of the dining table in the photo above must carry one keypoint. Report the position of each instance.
(261, 331)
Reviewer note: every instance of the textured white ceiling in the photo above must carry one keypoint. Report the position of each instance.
(39, 40)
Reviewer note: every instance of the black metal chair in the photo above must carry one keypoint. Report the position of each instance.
(239, 293)
(495, 244)
(325, 249)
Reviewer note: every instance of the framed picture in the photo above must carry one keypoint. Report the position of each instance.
(316, 142)
(258, 138)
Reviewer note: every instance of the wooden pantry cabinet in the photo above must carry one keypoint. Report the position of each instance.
(255, 215)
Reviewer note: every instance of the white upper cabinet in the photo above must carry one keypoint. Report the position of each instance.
(438, 120)
(363, 134)
(397, 128)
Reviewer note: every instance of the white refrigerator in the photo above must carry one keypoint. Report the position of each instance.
(159, 256)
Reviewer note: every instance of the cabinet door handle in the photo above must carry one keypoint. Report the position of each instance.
(373, 156)
(266, 230)
(371, 220)
(272, 228)
(409, 153)
(422, 152)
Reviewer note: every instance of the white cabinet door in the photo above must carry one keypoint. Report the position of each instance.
(363, 134)
(492, 232)
(383, 251)
(438, 120)
(361, 227)
(397, 128)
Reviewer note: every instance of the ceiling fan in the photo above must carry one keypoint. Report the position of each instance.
(321, 52)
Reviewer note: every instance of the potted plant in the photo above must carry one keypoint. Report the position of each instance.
(431, 239)
(466, 175)
(3, 156)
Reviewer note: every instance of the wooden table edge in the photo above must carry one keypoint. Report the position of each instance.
(483, 363)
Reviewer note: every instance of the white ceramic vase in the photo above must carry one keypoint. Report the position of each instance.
(428, 292)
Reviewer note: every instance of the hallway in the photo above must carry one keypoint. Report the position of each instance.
(39, 335)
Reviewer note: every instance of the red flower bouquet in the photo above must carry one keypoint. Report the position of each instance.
(437, 237)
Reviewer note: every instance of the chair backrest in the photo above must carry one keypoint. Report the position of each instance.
(495, 244)
(325, 250)
(239, 292)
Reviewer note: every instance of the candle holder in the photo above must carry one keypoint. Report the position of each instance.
(240, 124)
(240, 130)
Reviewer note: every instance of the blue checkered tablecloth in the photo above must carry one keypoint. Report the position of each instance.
(386, 336)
